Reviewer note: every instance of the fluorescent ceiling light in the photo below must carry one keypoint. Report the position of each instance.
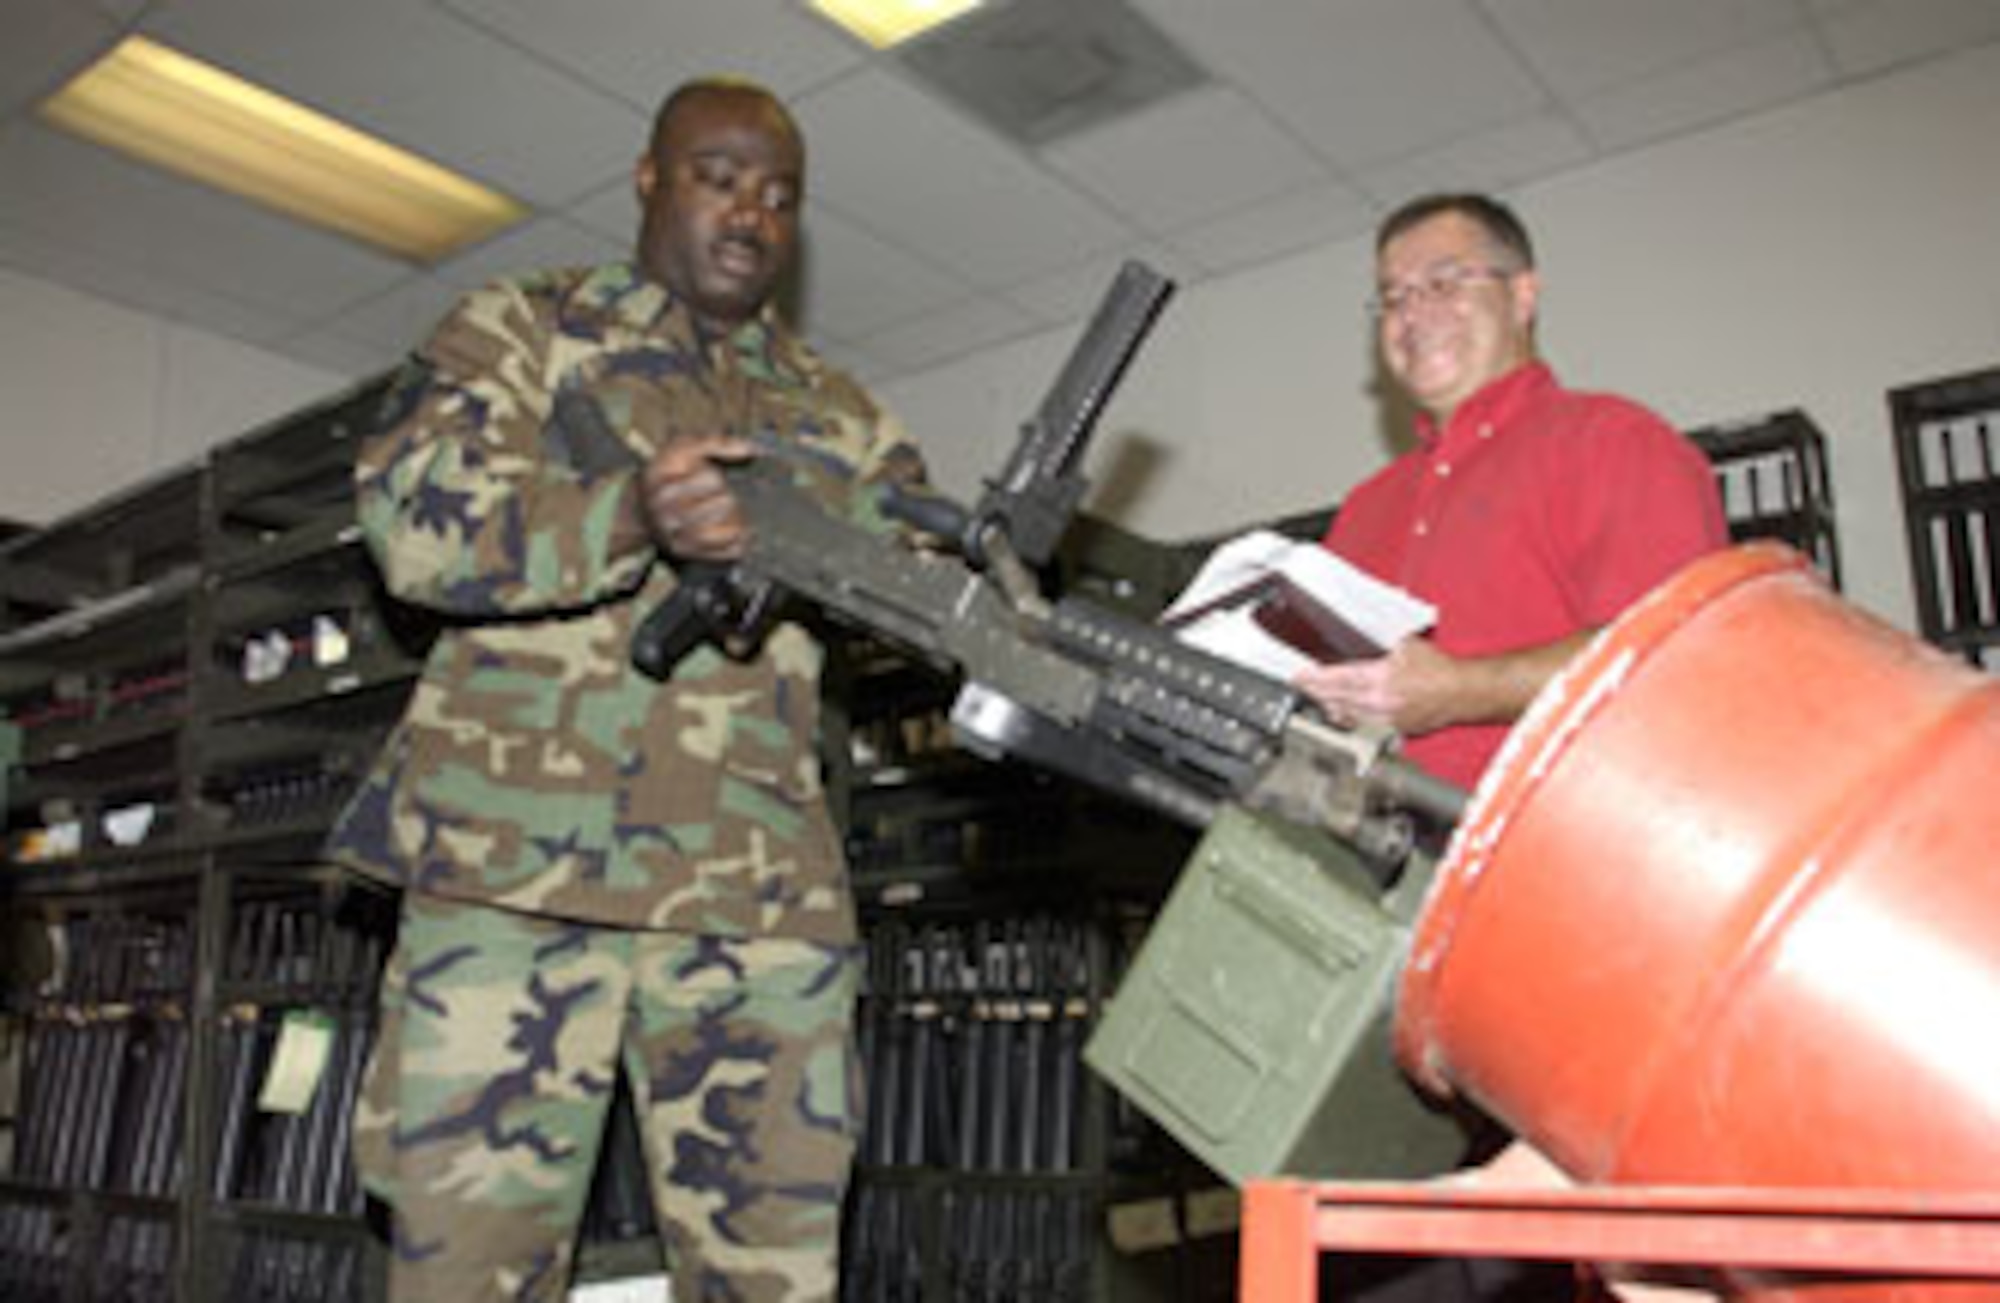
(883, 23)
(190, 117)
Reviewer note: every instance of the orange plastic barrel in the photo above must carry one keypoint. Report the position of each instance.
(1726, 911)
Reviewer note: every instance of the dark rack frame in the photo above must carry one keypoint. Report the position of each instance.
(1775, 483)
(1947, 434)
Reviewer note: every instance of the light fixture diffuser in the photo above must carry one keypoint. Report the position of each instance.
(885, 23)
(156, 104)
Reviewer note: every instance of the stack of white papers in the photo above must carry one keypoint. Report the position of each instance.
(1276, 605)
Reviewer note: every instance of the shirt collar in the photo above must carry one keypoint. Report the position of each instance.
(1491, 407)
(620, 293)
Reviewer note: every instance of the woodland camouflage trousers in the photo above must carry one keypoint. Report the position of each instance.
(485, 1103)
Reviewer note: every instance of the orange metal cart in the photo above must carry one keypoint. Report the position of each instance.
(1943, 1245)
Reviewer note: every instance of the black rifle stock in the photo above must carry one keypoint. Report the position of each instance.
(1115, 702)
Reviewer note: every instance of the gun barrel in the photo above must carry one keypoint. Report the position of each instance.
(1402, 784)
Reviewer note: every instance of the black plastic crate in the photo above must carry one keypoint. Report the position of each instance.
(1772, 474)
(1948, 459)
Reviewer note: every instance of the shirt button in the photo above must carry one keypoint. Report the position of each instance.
(1486, 431)
(1421, 528)
(1444, 470)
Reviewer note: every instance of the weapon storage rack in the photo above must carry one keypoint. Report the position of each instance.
(1772, 474)
(999, 906)
(196, 670)
(194, 673)
(1947, 434)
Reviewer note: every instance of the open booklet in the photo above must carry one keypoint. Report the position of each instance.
(1277, 605)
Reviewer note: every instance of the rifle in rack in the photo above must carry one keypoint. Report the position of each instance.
(1114, 702)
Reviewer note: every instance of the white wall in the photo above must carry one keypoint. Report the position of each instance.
(98, 397)
(1814, 257)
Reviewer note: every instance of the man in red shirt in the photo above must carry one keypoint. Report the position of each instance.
(1529, 514)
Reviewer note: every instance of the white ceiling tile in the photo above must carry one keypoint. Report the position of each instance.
(855, 360)
(952, 333)
(1488, 160)
(1194, 156)
(1868, 38)
(1073, 292)
(852, 285)
(425, 80)
(132, 282)
(1317, 215)
(1363, 80)
(345, 357)
(394, 321)
(1731, 84)
(545, 242)
(611, 210)
(930, 181)
(640, 49)
(1584, 47)
(98, 203)
(50, 41)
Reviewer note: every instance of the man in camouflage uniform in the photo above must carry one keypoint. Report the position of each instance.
(601, 870)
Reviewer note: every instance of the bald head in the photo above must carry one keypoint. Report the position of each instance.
(720, 187)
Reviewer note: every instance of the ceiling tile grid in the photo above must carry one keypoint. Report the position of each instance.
(1741, 80)
(1588, 47)
(930, 233)
(1198, 156)
(1361, 81)
(637, 49)
(923, 177)
(43, 41)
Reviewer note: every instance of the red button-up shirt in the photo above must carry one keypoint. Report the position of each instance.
(1534, 513)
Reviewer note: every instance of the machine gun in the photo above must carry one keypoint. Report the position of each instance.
(1111, 701)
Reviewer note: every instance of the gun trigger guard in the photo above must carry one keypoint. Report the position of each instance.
(752, 624)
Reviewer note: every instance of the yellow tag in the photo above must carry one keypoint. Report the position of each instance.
(305, 1042)
(1213, 1212)
(1142, 1225)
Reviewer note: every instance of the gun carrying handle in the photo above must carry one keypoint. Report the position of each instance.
(985, 541)
(928, 512)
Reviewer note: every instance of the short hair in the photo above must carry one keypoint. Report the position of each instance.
(1494, 218)
(702, 87)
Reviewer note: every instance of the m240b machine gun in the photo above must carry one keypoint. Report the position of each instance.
(1113, 702)
(1254, 1023)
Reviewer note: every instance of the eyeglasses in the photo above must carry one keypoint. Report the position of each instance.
(1442, 284)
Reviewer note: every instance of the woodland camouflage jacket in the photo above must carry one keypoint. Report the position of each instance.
(534, 768)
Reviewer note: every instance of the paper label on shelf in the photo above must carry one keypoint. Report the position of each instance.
(1143, 1225)
(330, 643)
(128, 825)
(1218, 1211)
(305, 1043)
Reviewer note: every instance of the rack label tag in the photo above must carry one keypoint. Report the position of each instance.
(305, 1043)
